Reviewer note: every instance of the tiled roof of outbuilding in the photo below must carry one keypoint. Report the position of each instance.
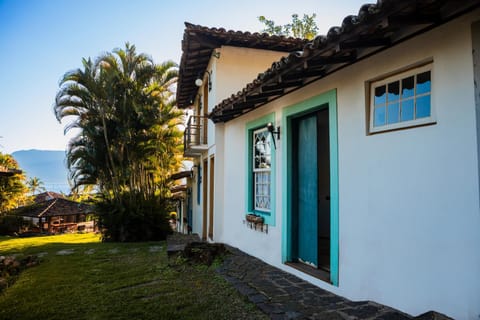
(53, 207)
(8, 172)
(199, 42)
(181, 174)
(47, 195)
(375, 28)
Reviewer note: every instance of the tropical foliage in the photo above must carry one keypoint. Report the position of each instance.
(128, 141)
(12, 187)
(35, 184)
(305, 28)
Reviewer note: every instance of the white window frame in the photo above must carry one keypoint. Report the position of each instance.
(260, 171)
(399, 76)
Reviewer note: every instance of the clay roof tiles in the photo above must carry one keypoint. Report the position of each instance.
(199, 43)
(53, 207)
(376, 27)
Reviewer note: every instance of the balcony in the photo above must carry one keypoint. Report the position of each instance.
(195, 136)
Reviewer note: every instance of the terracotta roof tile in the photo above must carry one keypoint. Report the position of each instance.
(53, 207)
(376, 27)
(199, 42)
(181, 174)
(47, 195)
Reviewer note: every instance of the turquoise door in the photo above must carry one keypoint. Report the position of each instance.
(311, 179)
(307, 190)
(310, 188)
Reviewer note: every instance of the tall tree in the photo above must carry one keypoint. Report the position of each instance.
(12, 187)
(305, 28)
(35, 184)
(124, 108)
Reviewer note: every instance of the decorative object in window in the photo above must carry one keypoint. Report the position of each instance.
(261, 169)
(403, 100)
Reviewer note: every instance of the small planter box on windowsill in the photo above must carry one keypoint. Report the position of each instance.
(256, 222)
(254, 218)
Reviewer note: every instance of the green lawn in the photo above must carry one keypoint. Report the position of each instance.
(81, 278)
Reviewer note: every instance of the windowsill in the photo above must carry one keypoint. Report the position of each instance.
(397, 128)
(260, 213)
(311, 271)
(267, 216)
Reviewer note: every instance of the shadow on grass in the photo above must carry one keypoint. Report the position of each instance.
(80, 277)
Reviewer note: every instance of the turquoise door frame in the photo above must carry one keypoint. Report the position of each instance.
(325, 100)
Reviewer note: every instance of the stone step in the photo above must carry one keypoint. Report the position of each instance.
(177, 242)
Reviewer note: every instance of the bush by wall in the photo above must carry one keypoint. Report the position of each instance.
(133, 218)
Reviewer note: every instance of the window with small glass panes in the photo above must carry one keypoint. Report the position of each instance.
(402, 100)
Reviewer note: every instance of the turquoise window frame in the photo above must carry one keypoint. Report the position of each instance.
(325, 100)
(269, 217)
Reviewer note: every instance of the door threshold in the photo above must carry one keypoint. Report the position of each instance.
(311, 271)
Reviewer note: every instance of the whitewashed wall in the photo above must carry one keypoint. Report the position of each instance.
(229, 73)
(410, 237)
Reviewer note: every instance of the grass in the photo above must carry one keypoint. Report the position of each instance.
(95, 280)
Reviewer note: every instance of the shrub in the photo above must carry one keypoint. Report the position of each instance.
(134, 218)
(11, 224)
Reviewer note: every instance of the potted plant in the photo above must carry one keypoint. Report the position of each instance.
(254, 218)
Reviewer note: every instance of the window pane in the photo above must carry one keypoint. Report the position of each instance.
(407, 110)
(262, 149)
(267, 203)
(379, 116)
(407, 87)
(393, 113)
(423, 82)
(262, 190)
(380, 97)
(393, 91)
(423, 107)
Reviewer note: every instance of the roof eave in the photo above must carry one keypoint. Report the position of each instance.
(199, 43)
(376, 28)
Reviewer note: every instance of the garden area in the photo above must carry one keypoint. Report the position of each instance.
(80, 277)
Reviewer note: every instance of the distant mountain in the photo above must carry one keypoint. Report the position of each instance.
(48, 166)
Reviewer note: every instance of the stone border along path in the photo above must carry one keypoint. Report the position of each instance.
(282, 295)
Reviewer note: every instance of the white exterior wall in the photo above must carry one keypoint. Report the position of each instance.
(229, 73)
(238, 66)
(409, 237)
(234, 68)
(196, 208)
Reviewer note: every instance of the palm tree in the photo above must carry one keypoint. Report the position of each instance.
(123, 105)
(35, 184)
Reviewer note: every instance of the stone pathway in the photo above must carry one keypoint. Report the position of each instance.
(281, 295)
(66, 252)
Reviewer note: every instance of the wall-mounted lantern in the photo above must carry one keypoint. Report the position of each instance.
(199, 81)
(273, 132)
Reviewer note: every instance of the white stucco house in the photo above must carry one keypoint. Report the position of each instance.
(358, 153)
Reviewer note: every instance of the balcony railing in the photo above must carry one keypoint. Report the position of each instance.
(195, 136)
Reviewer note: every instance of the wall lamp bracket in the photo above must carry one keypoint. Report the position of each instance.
(199, 80)
(192, 172)
(271, 129)
(273, 132)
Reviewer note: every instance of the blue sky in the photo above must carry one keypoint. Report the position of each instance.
(40, 40)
